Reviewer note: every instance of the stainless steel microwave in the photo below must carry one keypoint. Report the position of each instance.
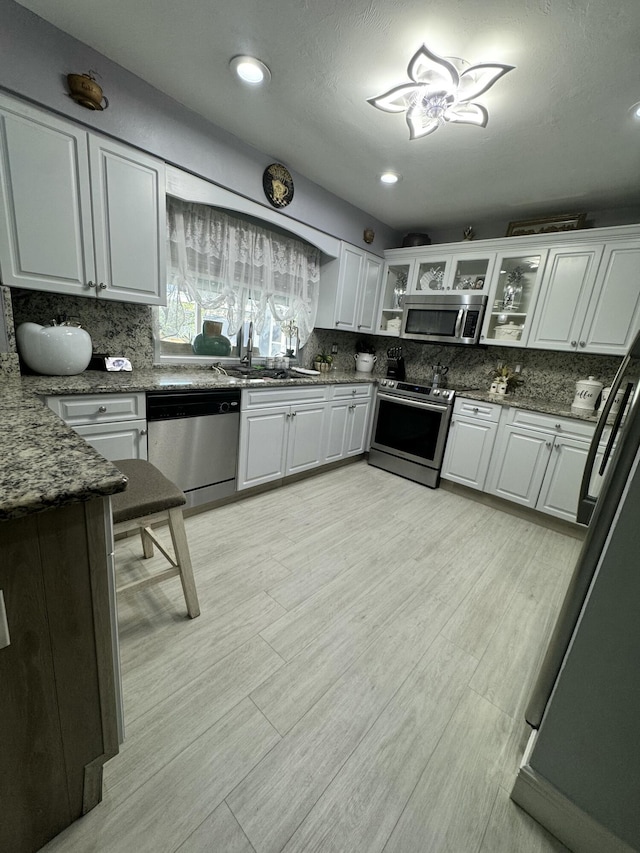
(452, 319)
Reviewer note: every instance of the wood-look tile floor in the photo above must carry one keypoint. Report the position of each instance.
(356, 680)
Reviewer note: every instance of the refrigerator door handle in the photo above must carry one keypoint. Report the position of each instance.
(615, 427)
(584, 500)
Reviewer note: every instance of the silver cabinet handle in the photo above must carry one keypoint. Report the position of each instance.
(352, 406)
(102, 285)
(583, 343)
(91, 284)
(548, 443)
(293, 414)
(475, 410)
(102, 409)
(142, 431)
(354, 391)
(557, 448)
(288, 414)
(574, 343)
(559, 427)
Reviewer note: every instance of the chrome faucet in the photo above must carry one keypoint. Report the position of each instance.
(246, 359)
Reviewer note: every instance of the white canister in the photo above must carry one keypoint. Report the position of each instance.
(587, 393)
(616, 402)
(364, 362)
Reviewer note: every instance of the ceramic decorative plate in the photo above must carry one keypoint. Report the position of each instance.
(278, 185)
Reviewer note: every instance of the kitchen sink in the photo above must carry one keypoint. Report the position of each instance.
(254, 374)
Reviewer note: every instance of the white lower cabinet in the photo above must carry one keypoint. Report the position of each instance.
(281, 432)
(470, 442)
(538, 461)
(114, 424)
(347, 422)
(284, 431)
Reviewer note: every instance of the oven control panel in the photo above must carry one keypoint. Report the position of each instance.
(411, 390)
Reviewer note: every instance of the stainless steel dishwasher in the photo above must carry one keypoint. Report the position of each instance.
(193, 439)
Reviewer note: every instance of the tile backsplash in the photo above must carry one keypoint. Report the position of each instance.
(116, 328)
(548, 375)
(122, 328)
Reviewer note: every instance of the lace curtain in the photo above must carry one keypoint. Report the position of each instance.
(240, 269)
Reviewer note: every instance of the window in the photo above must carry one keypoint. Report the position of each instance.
(235, 271)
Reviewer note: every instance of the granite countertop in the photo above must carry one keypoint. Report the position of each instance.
(46, 464)
(165, 379)
(531, 404)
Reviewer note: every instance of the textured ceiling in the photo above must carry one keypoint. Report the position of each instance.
(560, 136)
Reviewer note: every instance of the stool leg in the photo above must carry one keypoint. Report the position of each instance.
(147, 543)
(181, 548)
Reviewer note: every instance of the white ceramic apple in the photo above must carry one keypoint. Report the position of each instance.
(54, 350)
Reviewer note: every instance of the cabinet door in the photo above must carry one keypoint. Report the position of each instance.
(371, 278)
(262, 452)
(432, 274)
(395, 280)
(129, 216)
(512, 298)
(564, 297)
(613, 315)
(561, 484)
(351, 264)
(336, 431)
(45, 202)
(126, 440)
(468, 452)
(357, 428)
(306, 436)
(518, 465)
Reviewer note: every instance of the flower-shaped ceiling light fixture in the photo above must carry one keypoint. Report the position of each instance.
(442, 90)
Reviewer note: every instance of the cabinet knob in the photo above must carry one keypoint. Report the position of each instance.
(293, 414)
(558, 427)
(574, 343)
(583, 343)
(475, 410)
(548, 443)
(143, 432)
(91, 284)
(352, 406)
(557, 448)
(102, 409)
(102, 285)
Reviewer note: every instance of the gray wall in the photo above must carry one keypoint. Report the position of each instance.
(35, 59)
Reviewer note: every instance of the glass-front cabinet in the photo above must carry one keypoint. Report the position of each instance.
(396, 278)
(512, 298)
(453, 272)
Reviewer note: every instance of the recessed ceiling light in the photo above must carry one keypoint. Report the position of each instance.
(250, 70)
(390, 178)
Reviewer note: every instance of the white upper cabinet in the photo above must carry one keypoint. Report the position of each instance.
(590, 299)
(512, 298)
(129, 222)
(45, 216)
(349, 291)
(79, 214)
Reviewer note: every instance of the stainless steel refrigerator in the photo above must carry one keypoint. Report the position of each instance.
(581, 773)
(599, 513)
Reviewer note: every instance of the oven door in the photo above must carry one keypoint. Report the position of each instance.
(415, 430)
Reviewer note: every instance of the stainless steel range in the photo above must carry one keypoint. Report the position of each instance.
(410, 428)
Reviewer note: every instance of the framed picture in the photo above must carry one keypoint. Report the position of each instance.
(547, 225)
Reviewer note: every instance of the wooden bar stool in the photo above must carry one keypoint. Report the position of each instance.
(151, 497)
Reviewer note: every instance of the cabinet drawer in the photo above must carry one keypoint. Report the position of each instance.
(477, 409)
(349, 392)
(260, 398)
(551, 423)
(78, 409)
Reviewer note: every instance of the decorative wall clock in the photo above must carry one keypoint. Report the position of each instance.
(278, 185)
